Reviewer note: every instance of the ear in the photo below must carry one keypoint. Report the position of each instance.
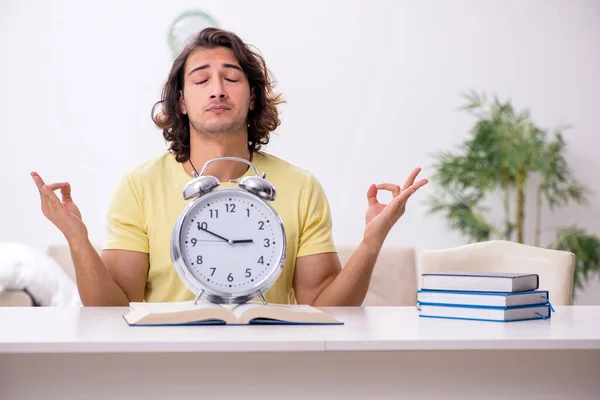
(181, 102)
(252, 99)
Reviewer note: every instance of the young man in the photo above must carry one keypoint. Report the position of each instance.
(218, 101)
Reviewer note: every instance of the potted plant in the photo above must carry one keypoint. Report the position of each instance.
(508, 159)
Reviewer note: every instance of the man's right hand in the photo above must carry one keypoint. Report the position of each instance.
(112, 278)
(63, 214)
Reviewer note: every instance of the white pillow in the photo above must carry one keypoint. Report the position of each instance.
(25, 268)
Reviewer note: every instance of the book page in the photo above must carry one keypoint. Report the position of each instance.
(258, 307)
(246, 313)
(167, 307)
(171, 313)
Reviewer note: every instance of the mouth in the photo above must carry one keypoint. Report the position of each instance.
(219, 108)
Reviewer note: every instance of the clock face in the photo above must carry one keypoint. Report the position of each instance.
(231, 241)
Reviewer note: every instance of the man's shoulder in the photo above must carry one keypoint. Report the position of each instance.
(274, 165)
(152, 167)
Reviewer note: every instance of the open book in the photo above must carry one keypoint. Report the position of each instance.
(188, 313)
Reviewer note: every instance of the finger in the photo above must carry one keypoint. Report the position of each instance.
(395, 189)
(49, 198)
(411, 178)
(372, 195)
(397, 203)
(39, 182)
(65, 192)
(58, 185)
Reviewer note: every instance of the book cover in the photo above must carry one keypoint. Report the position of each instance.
(485, 313)
(481, 281)
(498, 299)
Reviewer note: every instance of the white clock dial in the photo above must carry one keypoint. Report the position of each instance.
(231, 241)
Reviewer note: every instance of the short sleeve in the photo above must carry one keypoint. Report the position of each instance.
(315, 224)
(126, 229)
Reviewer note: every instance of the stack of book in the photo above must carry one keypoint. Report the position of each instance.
(500, 297)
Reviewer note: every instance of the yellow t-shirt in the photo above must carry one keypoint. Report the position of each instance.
(149, 199)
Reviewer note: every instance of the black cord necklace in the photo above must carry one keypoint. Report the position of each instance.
(196, 174)
(194, 168)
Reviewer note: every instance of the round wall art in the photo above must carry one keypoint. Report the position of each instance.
(186, 26)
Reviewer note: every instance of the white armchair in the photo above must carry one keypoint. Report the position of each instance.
(555, 268)
(394, 279)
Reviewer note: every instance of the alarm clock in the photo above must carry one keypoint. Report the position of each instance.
(228, 245)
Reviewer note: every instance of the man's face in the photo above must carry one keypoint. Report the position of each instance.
(216, 94)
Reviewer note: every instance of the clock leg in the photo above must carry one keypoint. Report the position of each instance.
(261, 297)
(198, 297)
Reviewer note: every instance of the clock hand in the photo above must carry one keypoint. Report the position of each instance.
(219, 236)
(242, 241)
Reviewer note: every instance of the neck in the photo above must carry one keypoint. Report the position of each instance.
(204, 149)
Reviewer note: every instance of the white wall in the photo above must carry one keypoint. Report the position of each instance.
(372, 89)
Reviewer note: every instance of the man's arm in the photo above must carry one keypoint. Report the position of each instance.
(129, 270)
(115, 278)
(319, 279)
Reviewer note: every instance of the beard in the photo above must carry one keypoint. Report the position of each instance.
(233, 127)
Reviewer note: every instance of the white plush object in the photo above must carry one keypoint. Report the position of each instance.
(25, 268)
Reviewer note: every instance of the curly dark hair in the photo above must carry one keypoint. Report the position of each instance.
(262, 120)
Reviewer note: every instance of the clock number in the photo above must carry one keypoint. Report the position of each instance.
(261, 260)
(194, 241)
(229, 278)
(267, 243)
(213, 271)
(247, 212)
(230, 208)
(248, 272)
(199, 259)
(202, 226)
(261, 225)
(215, 214)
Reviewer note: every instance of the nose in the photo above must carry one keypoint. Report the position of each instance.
(218, 91)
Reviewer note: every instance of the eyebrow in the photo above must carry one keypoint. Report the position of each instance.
(205, 66)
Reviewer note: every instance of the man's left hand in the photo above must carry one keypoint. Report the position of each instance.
(380, 218)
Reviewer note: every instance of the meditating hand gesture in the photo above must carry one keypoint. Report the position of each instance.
(63, 214)
(380, 218)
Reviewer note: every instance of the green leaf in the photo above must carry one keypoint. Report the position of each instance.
(462, 214)
(586, 248)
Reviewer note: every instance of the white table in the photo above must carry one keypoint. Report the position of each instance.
(380, 352)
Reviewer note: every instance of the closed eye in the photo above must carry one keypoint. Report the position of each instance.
(228, 80)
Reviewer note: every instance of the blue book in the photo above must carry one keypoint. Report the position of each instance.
(485, 313)
(493, 299)
(481, 281)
